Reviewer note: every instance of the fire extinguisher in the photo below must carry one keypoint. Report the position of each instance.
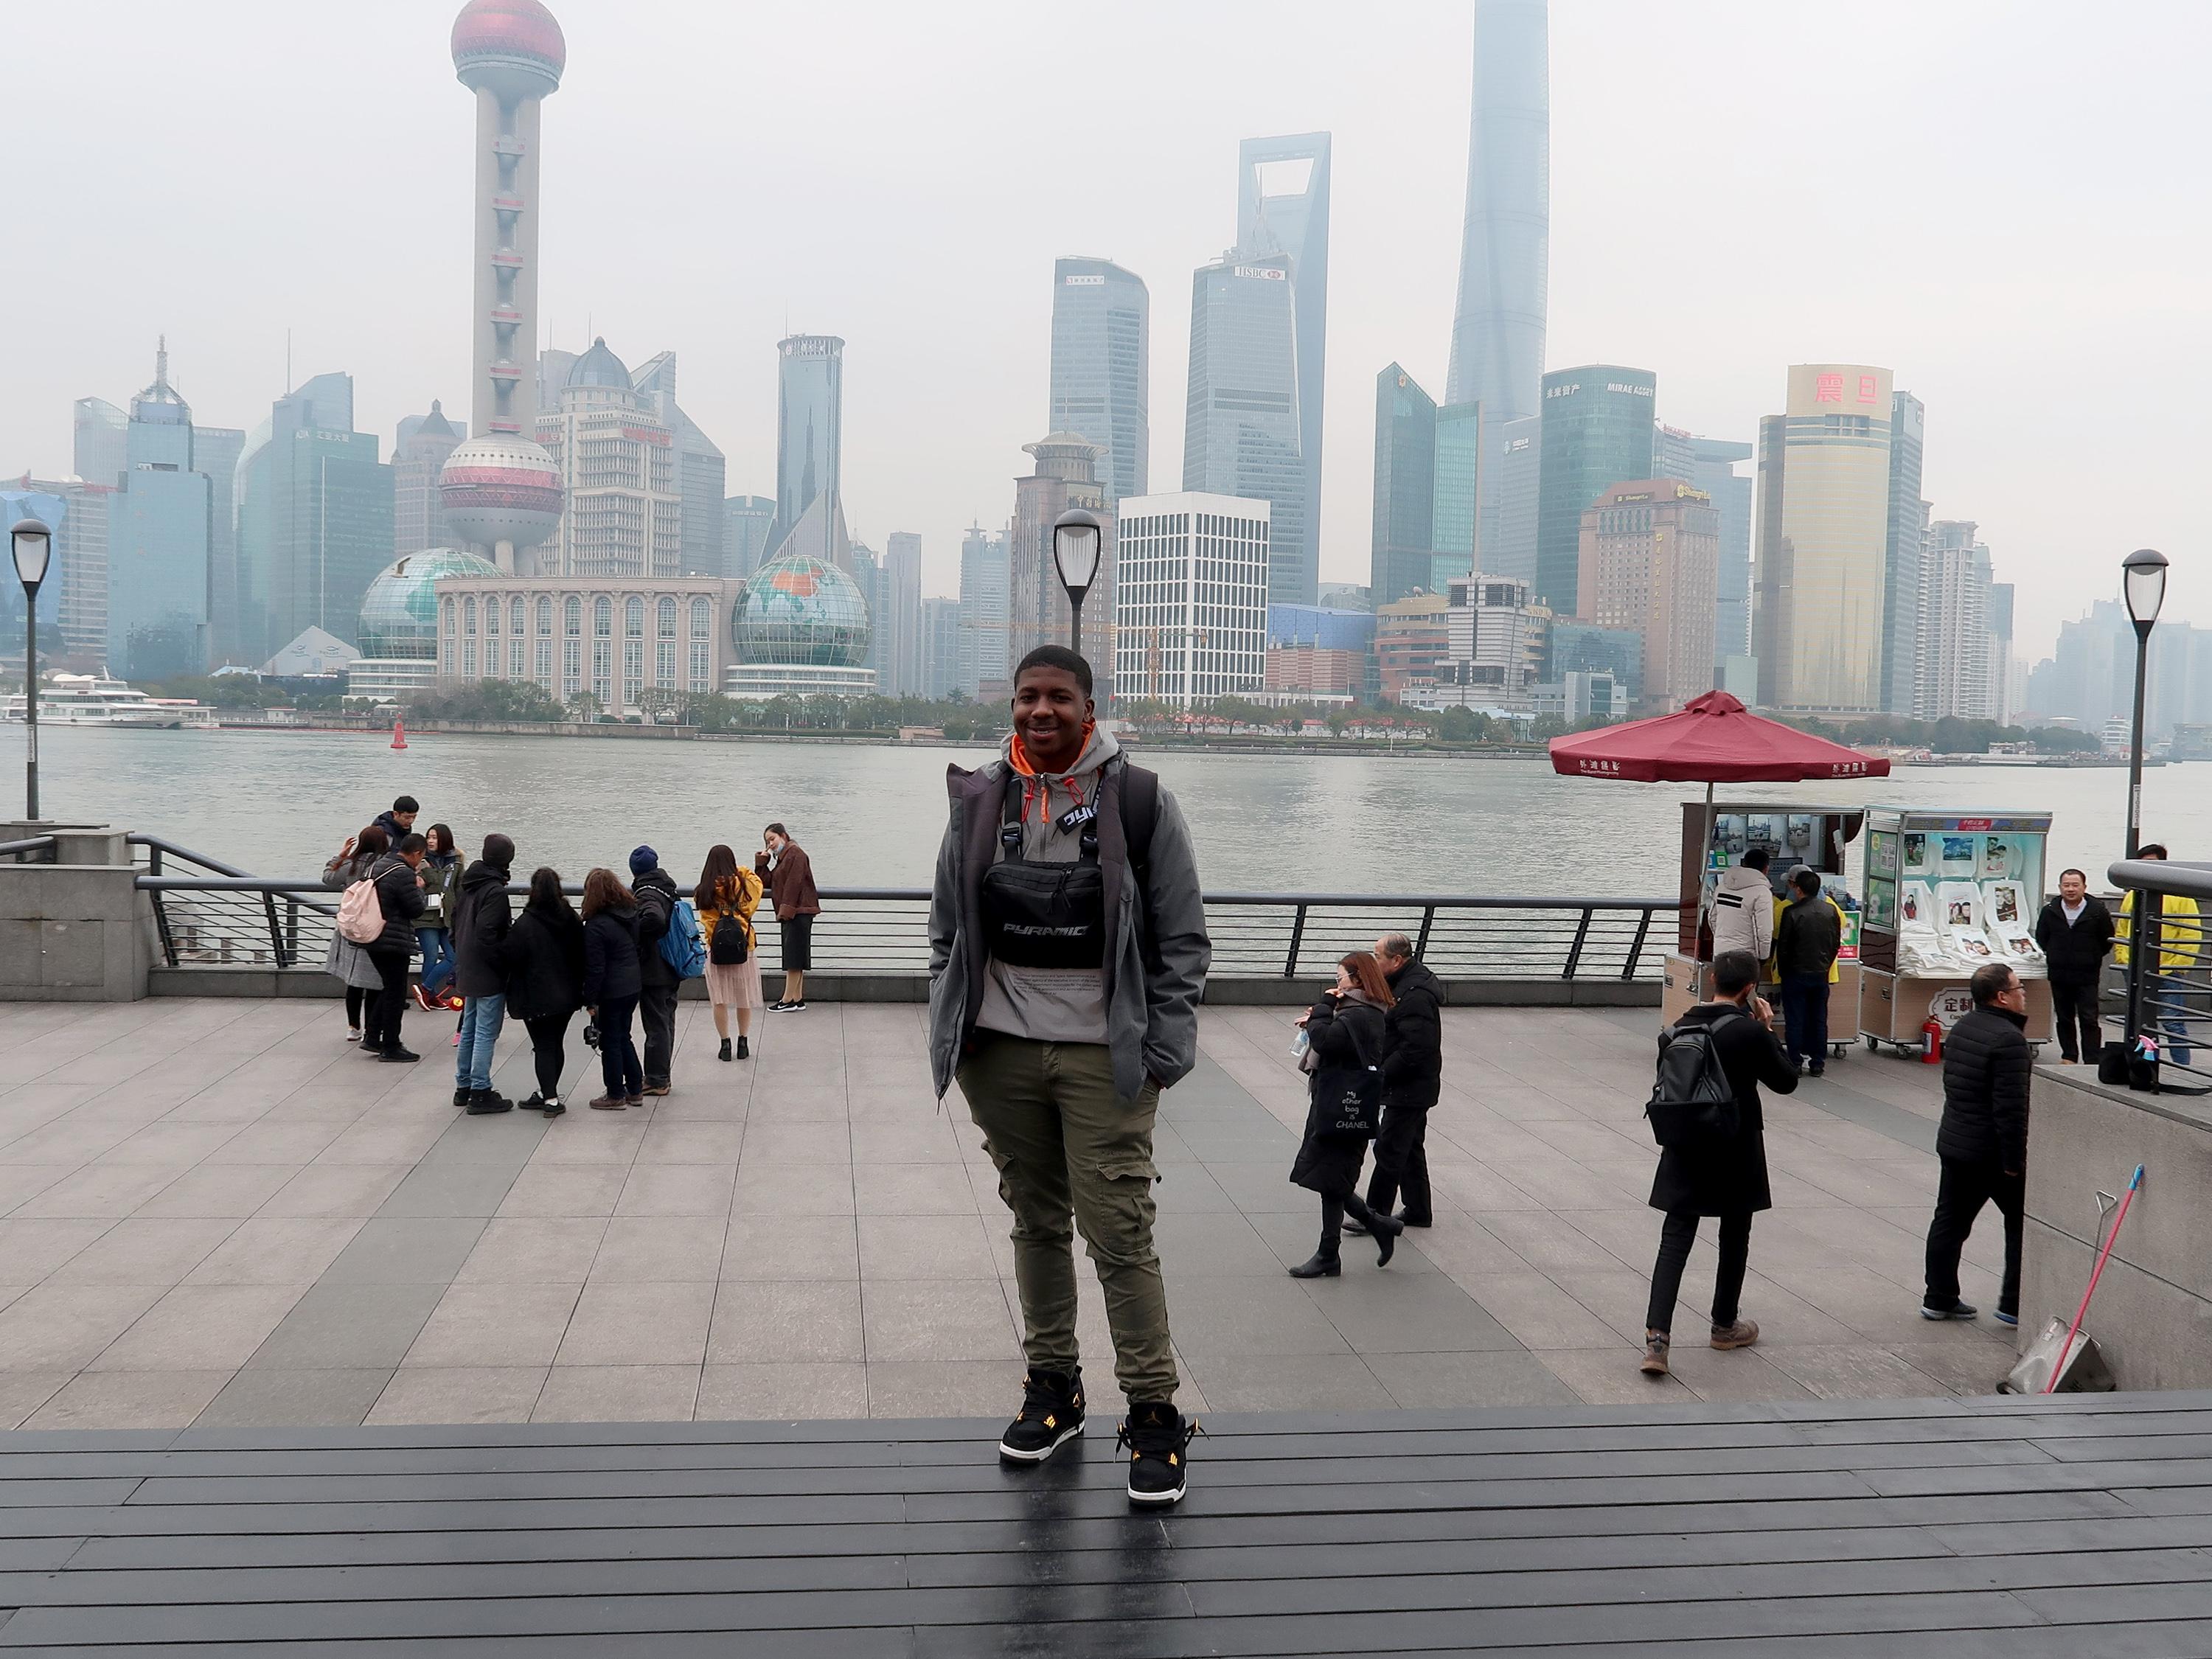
(1931, 1041)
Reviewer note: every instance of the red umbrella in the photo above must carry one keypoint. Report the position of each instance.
(1712, 739)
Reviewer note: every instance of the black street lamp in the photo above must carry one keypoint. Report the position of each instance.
(1076, 544)
(34, 547)
(2143, 582)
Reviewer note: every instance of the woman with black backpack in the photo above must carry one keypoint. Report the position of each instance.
(725, 898)
(1343, 1060)
(545, 981)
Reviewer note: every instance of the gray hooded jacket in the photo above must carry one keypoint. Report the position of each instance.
(1157, 948)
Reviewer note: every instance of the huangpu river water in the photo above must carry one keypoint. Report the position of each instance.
(278, 803)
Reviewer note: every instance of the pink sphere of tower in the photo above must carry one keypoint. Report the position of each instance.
(514, 47)
(501, 490)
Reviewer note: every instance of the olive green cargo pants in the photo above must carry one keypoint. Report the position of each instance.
(1068, 1148)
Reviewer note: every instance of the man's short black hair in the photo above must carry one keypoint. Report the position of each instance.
(2155, 849)
(407, 803)
(499, 851)
(1991, 981)
(411, 843)
(1756, 859)
(1058, 657)
(1805, 879)
(2084, 874)
(1732, 970)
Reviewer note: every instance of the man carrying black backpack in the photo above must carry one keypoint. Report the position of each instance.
(1716, 1171)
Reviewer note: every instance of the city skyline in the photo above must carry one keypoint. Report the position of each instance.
(1754, 291)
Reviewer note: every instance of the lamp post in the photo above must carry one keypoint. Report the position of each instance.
(1076, 544)
(2143, 584)
(32, 544)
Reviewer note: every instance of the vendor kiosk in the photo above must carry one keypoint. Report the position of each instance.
(1793, 833)
(1946, 893)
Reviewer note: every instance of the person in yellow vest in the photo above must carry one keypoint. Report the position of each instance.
(2177, 929)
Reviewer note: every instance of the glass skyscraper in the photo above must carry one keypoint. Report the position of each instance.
(1459, 484)
(1102, 336)
(158, 569)
(746, 522)
(1596, 433)
(1902, 577)
(1497, 332)
(810, 437)
(1241, 419)
(315, 525)
(1282, 207)
(1405, 488)
(983, 613)
(1512, 476)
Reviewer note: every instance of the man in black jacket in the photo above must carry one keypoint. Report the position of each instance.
(480, 920)
(1724, 1176)
(656, 1004)
(399, 896)
(2075, 933)
(1807, 939)
(1412, 1077)
(1983, 1140)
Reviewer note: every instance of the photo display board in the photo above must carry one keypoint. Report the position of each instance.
(1949, 892)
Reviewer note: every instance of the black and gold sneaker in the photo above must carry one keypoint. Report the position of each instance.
(1051, 1415)
(1158, 1438)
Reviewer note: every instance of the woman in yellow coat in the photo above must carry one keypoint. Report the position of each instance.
(724, 899)
(2179, 929)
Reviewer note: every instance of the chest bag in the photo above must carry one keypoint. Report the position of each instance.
(1040, 915)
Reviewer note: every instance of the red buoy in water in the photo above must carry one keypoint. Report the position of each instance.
(398, 732)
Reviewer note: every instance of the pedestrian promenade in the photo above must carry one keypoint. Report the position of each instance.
(215, 1213)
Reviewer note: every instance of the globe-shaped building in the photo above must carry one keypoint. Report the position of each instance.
(399, 611)
(800, 628)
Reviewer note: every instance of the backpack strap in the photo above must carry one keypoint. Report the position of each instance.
(1140, 814)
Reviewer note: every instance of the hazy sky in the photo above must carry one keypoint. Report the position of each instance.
(2003, 200)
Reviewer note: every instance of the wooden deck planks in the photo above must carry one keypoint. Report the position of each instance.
(1963, 1527)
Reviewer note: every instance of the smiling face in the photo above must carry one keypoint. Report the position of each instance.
(1050, 711)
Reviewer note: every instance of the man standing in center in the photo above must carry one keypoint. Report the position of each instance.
(2074, 933)
(656, 1003)
(1982, 1140)
(1067, 952)
(1807, 939)
(1413, 1078)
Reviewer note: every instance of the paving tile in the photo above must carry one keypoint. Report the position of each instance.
(341, 1327)
(757, 1322)
(21, 1393)
(949, 1389)
(564, 1189)
(1288, 1383)
(404, 1249)
(103, 1191)
(488, 1394)
(635, 1248)
(533, 1250)
(1609, 1377)
(791, 1247)
(1507, 1377)
(769, 1141)
(269, 1142)
(494, 1325)
(690, 1142)
(1851, 1373)
(925, 1247)
(271, 1398)
(784, 1190)
(335, 1189)
(1247, 1317)
(677, 1189)
(617, 1394)
(32, 1249)
(64, 1326)
(916, 1189)
(1377, 1311)
(1739, 1373)
(936, 1319)
(136, 1252)
(130, 1399)
(783, 1392)
(201, 1327)
(450, 1189)
(234, 1190)
(277, 1250)
(648, 1324)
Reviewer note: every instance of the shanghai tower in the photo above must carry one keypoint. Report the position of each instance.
(1497, 332)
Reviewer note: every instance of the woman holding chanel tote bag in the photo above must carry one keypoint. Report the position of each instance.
(1343, 1062)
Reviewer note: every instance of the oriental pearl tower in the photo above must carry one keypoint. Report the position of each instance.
(501, 490)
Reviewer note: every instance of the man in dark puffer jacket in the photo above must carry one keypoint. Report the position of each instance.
(1983, 1140)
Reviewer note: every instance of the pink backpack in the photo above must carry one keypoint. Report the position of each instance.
(360, 913)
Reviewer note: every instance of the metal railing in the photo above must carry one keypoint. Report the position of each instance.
(32, 849)
(209, 915)
(2167, 957)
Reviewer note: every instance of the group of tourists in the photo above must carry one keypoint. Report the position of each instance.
(623, 958)
(1719, 1169)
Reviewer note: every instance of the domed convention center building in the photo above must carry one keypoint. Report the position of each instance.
(399, 622)
(800, 629)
